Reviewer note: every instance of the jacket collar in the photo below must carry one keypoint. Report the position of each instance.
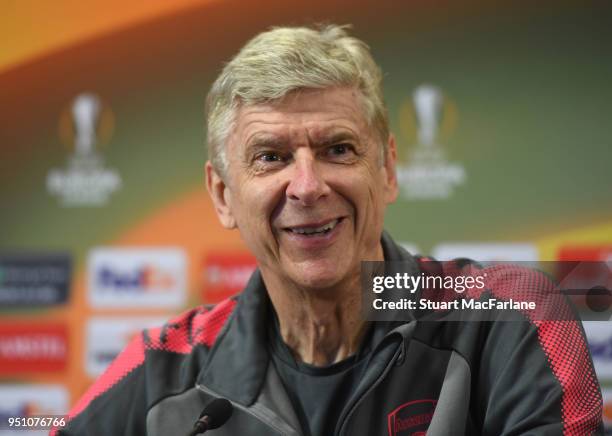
(239, 359)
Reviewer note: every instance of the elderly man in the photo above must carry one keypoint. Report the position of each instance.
(302, 164)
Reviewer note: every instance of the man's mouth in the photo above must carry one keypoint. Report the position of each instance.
(309, 230)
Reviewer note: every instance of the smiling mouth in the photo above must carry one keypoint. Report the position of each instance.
(314, 231)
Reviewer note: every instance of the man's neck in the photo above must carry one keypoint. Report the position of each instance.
(320, 327)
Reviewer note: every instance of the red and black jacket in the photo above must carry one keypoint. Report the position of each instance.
(493, 378)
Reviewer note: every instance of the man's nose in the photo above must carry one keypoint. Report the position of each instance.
(307, 184)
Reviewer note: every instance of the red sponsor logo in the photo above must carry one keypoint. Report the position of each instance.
(607, 412)
(585, 272)
(594, 253)
(226, 274)
(412, 418)
(33, 348)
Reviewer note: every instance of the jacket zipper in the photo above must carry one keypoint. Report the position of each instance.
(346, 415)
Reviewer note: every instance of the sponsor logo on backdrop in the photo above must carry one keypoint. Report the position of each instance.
(137, 278)
(32, 348)
(226, 274)
(585, 272)
(487, 252)
(106, 337)
(25, 400)
(34, 279)
(595, 253)
(599, 336)
(85, 126)
(424, 171)
(607, 409)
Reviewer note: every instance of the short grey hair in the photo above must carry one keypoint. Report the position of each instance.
(287, 59)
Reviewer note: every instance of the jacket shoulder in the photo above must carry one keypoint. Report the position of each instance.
(125, 388)
(550, 338)
(198, 326)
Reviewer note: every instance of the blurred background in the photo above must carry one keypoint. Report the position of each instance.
(501, 113)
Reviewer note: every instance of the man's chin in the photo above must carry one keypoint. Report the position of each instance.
(319, 278)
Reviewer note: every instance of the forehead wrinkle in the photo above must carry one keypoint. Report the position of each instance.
(275, 114)
(290, 124)
(333, 135)
(265, 140)
(282, 138)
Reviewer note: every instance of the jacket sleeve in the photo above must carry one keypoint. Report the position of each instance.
(115, 404)
(536, 376)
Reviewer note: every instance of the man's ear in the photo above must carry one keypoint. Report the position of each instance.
(221, 197)
(391, 188)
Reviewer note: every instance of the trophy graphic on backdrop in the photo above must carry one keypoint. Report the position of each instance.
(85, 113)
(428, 102)
(425, 173)
(85, 181)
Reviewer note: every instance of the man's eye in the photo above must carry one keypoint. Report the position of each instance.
(269, 157)
(340, 149)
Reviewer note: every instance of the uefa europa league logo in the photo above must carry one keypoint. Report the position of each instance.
(425, 172)
(85, 124)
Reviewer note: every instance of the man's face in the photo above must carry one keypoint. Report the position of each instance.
(306, 186)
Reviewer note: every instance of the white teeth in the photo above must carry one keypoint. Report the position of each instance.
(310, 231)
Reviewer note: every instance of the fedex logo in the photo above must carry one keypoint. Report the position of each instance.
(137, 278)
(146, 278)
